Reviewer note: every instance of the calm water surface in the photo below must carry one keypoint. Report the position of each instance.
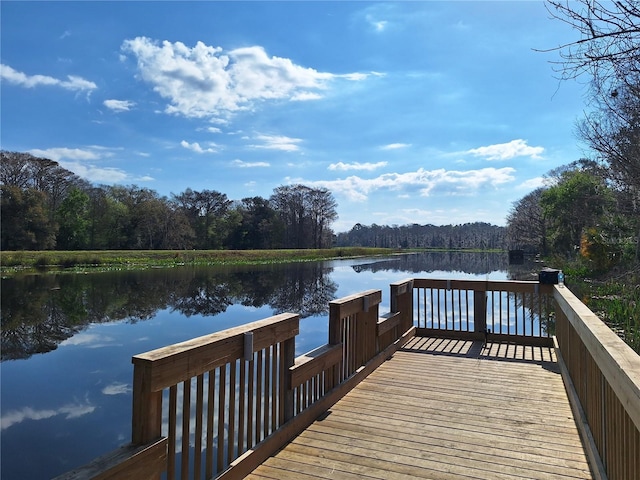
(68, 339)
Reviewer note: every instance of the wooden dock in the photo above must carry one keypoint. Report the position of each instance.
(460, 379)
(444, 409)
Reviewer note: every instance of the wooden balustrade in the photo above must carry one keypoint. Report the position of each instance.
(603, 374)
(219, 405)
(221, 393)
(495, 310)
(359, 341)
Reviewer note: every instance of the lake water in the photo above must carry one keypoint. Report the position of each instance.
(68, 339)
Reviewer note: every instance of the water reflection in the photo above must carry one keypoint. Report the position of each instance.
(40, 312)
(466, 262)
(67, 339)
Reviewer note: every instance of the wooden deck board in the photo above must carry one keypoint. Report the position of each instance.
(444, 409)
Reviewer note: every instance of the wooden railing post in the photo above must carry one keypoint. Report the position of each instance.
(147, 406)
(146, 423)
(288, 361)
(353, 323)
(367, 328)
(335, 338)
(480, 310)
(402, 302)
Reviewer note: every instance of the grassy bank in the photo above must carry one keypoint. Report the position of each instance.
(614, 297)
(20, 261)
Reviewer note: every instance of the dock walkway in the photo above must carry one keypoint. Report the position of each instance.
(444, 409)
(459, 380)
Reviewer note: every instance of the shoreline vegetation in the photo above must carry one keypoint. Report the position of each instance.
(614, 296)
(77, 261)
(615, 300)
(12, 262)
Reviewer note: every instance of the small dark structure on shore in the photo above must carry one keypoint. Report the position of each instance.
(516, 257)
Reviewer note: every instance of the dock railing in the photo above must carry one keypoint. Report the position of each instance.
(219, 405)
(493, 310)
(602, 373)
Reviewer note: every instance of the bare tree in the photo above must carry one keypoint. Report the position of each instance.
(526, 225)
(323, 213)
(307, 214)
(608, 52)
(609, 45)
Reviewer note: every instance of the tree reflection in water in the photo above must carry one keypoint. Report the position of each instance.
(41, 311)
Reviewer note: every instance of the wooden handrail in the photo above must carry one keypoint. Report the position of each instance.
(221, 363)
(176, 363)
(248, 385)
(493, 310)
(249, 395)
(605, 373)
(321, 377)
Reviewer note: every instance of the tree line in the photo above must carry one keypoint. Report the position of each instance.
(46, 207)
(579, 214)
(590, 209)
(476, 235)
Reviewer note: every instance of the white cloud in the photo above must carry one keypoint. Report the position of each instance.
(395, 146)
(90, 340)
(73, 83)
(380, 25)
(57, 154)
(425, 182)
(357, 166)
(205, 81)
(506, 151)
(71, 411)
(106, 175)
(277, 142)
(116, 389)
(306, 96)
(214, 130)
(437, 216)
(119, 105)
(372, 17)
(533, 183)
(72, 158)
(82, 339)
(242, 164)
(195, 147)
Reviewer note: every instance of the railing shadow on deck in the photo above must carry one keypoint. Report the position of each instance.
(480, 350)
(219, 405)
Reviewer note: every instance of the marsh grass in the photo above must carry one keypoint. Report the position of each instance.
(14, 261)
(618, 305)
(616, 302)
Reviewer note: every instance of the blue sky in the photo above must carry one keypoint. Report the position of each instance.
(408, 112)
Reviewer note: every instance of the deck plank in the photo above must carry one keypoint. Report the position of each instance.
(447, 410)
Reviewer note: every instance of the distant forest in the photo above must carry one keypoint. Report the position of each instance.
(46, 207)
(477, 235)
